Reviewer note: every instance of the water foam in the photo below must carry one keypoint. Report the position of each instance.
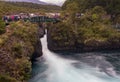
(63, 70)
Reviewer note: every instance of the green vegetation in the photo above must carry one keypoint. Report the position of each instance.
(18, 40)
(16, 49)
(2, 27)
(62, 34)
(6, 79)
(24, 7)
(47, 8)
(111, 6)
(93, 29)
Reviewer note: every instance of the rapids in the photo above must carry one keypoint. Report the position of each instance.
(55, 68)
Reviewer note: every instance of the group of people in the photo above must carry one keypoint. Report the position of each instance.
(16, 17)
(24, 16)
(9, 18)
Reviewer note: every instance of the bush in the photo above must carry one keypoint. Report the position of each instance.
(17, 48)
(6, 78)
(62, 34)
(2, 27)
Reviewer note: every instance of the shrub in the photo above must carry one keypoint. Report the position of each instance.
(2, 27)
(5, 78)
(18, 48)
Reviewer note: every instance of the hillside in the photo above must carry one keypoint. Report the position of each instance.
(18, 7)
(33, 1)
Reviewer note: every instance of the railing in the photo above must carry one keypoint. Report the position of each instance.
(38, 19)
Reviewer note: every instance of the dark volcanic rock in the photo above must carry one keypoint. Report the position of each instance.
(38, 47)
(38, 50)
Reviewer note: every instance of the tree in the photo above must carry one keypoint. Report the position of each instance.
(111, 6)
(72, 9)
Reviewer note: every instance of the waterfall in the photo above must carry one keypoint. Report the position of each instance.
(58, 69)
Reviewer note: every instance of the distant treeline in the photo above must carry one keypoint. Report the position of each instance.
(112, 7)
(18, 7)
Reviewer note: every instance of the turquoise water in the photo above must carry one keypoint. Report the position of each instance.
(55, 68)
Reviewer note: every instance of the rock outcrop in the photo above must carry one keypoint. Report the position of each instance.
(17, 46)
(72, 45)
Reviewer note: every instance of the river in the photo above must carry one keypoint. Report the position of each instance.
(73, 67)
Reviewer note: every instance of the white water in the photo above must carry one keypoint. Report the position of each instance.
(59, 69)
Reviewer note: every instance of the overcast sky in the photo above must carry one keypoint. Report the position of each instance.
(57, 2)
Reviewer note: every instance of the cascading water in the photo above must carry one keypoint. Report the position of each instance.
(54, 68)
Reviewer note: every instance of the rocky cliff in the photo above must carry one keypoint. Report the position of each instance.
(18, 46)
(61, 38)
